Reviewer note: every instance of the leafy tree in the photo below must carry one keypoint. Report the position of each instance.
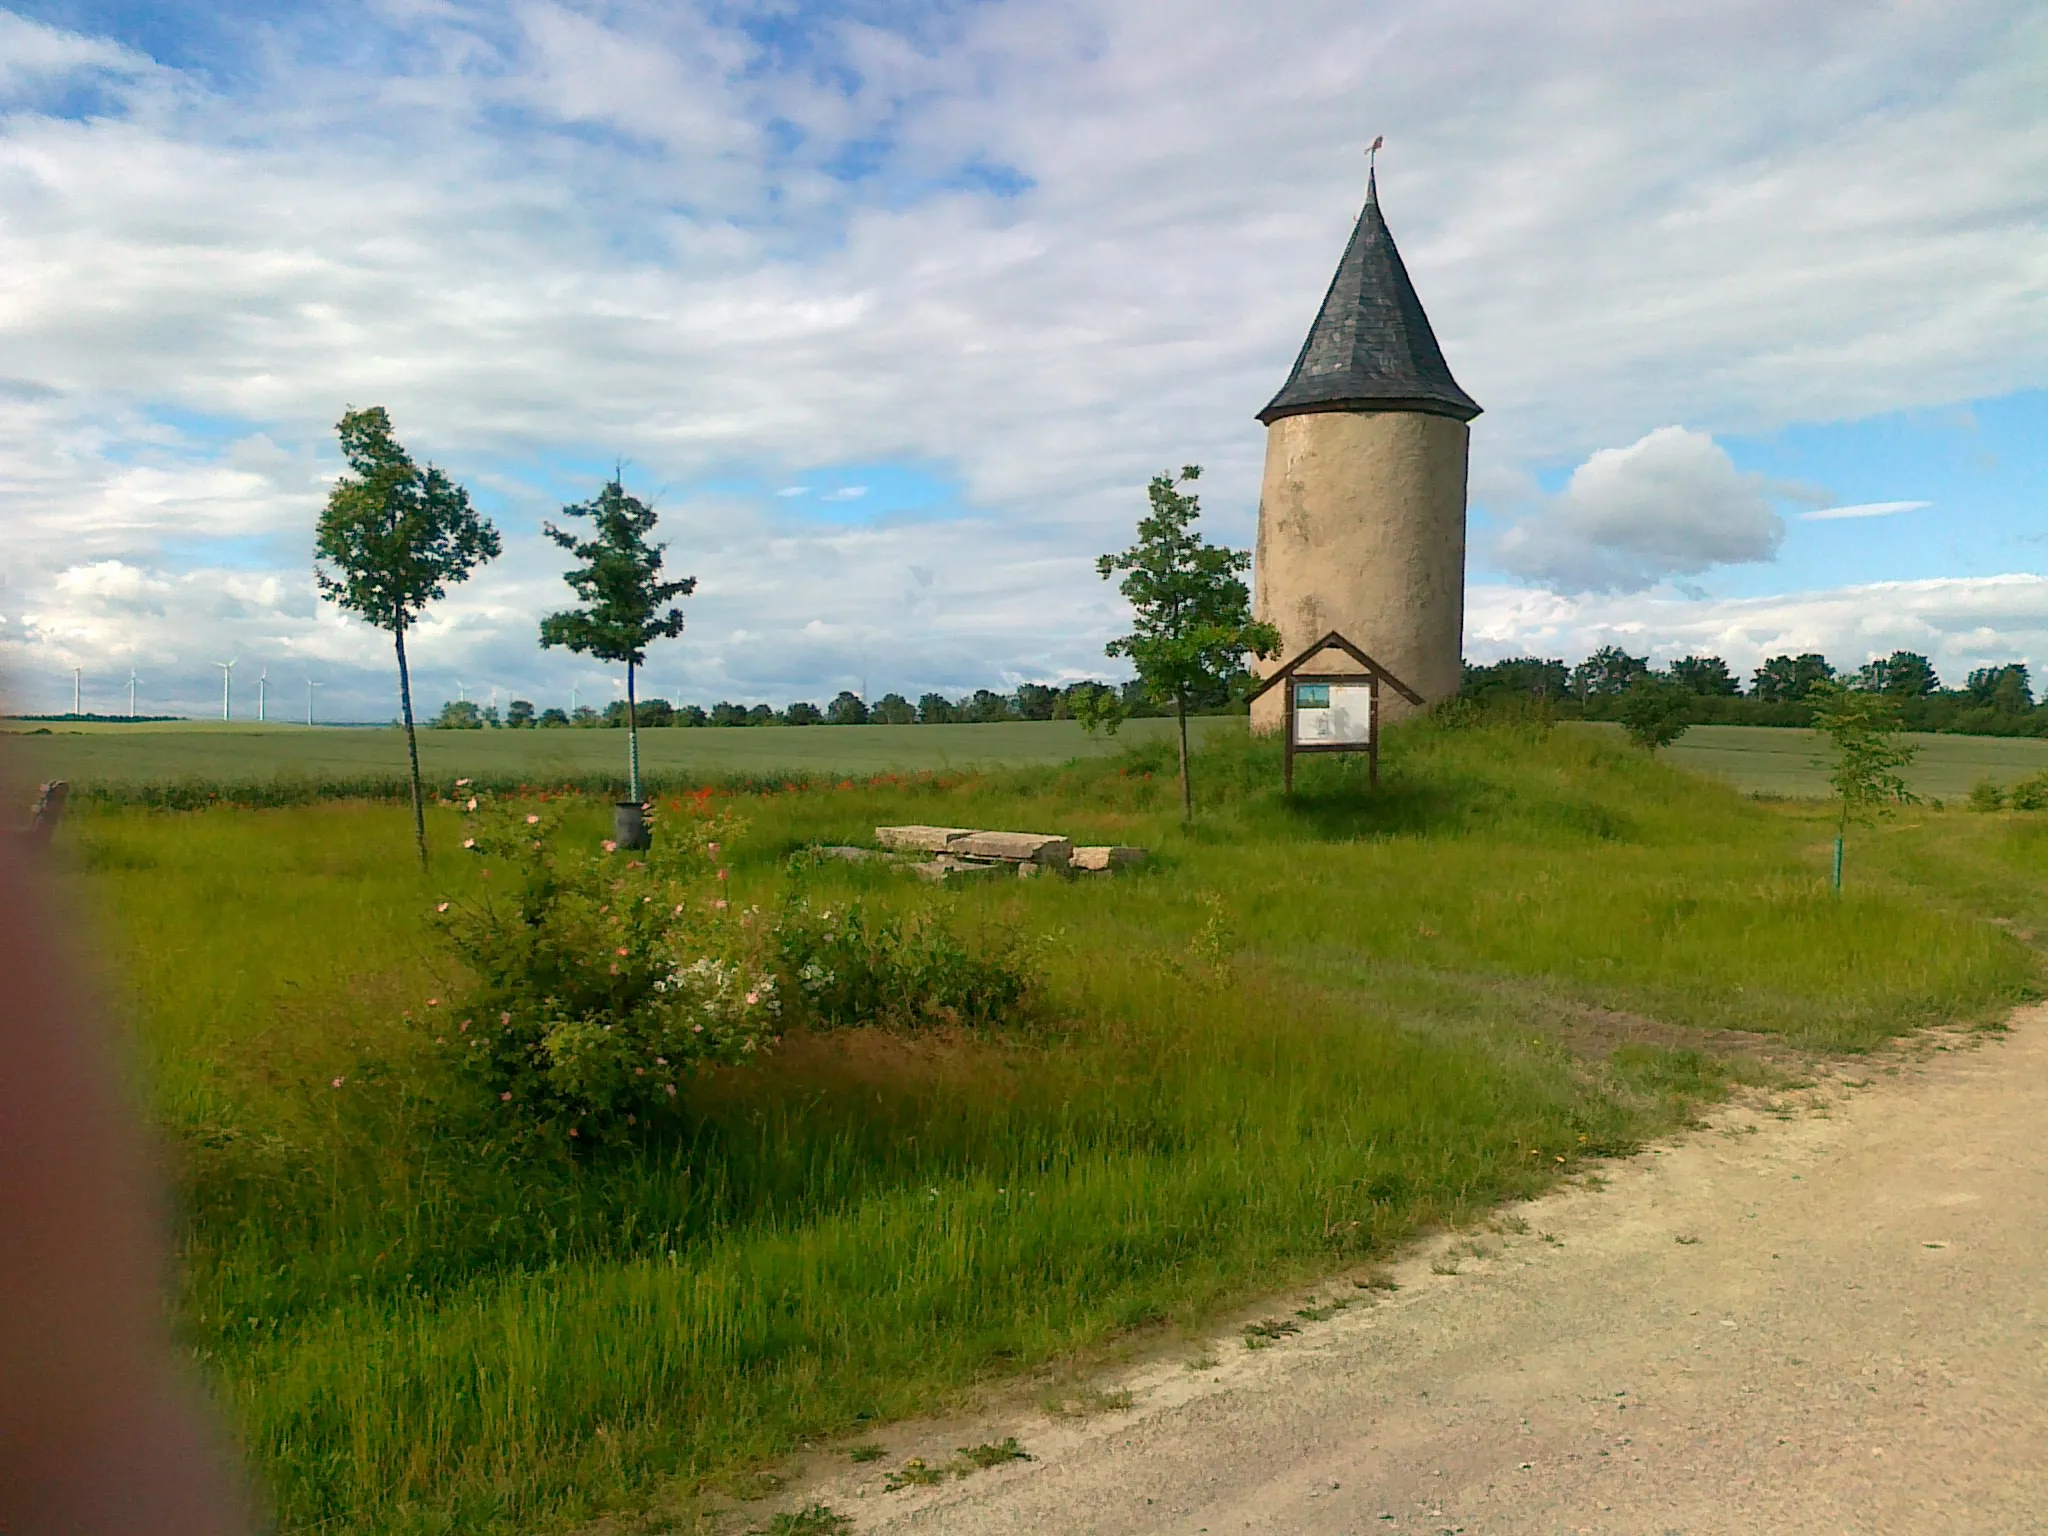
(2007, 689)
(1192, 614)
(893, 709)
(691, 714)
(458, 715)
(392, 539)
(1098, 708)
(519, 714)
(1607, 673)
(1654, 711)
(620, 578)
(1790, 679)
(1862, 726)
(723, 713)
(583, 715)
(1035, 701)
(1903, 675)
(1518, 676)
(986, 707)
(1705, 675)
(760, 714)
(1137, 700)
(801, 713)
(936, 709)
(849, 708)
(553, 718)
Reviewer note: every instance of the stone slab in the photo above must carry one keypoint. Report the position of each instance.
(919, 839)
(1013, 847)
(1096, 860)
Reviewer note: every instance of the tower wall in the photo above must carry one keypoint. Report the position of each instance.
(1362, 530)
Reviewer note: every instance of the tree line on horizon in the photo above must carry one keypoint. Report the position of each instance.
(1994, 700)
(1084, 701)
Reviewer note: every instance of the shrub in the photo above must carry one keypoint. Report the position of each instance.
(1985, 795)
(2030, 794)
(602, 980)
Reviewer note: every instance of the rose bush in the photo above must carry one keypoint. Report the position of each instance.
(602, 979)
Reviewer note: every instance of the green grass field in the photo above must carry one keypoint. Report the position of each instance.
(1305, 1032)
(239, 754)
(1754, 759)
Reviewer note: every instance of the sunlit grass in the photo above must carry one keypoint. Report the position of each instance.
(1302, 1033)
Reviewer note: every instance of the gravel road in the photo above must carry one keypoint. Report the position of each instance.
(1830, 1316)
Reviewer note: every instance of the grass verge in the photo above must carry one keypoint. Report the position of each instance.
(1306, 1032)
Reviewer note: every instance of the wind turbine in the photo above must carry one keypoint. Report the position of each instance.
(75, 690)
(262, 679)
(131, 693)
(310, 686)
(227, 689)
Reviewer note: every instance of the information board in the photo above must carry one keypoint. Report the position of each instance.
(1333, 714)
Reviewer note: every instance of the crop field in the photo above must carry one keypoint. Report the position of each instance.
(1761, 760)
(1300, 1034)
(233, 753)
(1756, 760)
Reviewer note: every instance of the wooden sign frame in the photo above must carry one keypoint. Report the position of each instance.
(1370, 673)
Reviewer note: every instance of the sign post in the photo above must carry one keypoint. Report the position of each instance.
(1333, 711)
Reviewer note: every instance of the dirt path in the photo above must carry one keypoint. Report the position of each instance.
(1829, 1321)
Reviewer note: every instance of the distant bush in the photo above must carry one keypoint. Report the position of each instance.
(1985, 795)
(2030, 794)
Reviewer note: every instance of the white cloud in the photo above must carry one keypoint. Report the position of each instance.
(1670, 504)
(561, 234)
(1862, 509)
(845, 493)
(1959, 622)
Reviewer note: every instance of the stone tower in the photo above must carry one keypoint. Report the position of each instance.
(1362, 509)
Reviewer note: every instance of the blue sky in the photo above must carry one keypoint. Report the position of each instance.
(893, 309)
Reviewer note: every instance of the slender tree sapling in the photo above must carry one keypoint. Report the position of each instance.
(392, 539)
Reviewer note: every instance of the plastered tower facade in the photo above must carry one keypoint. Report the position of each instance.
(1362, 509)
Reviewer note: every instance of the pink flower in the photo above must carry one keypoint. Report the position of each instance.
(442, 908)
(717, 906)
(671, 1090)
(574, 1132)
(712, 848)
(472, 804)
(505, 1098)
(661, 1061)
(620, 951)
(339, 1081)
(615, 967)
(469, 842)
(721, 874)
(464, 1028)
(504, 1018)
(753, 998)
(462, 783)
(679, 909)
(533, 821)
(610, 846)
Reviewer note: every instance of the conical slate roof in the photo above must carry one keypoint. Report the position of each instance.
(1371, 348)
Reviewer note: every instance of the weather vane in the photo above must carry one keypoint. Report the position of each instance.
(1371, 166)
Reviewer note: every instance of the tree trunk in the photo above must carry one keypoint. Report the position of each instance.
(632, 739)
(1187, 792)
(412, 743)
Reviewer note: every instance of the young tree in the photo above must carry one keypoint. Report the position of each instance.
(1192, 613)
(1653, 711)
(1863, 728)
(392, 539)
(1790, 679)
(620, 578)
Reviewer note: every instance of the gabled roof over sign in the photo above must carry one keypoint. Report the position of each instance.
(1371, 348)
(1333, 642)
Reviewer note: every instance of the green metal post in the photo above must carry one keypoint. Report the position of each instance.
(1838, 863)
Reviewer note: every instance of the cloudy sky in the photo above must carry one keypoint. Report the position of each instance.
(892, 308)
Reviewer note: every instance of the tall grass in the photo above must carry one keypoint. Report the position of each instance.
(1305, 1031)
